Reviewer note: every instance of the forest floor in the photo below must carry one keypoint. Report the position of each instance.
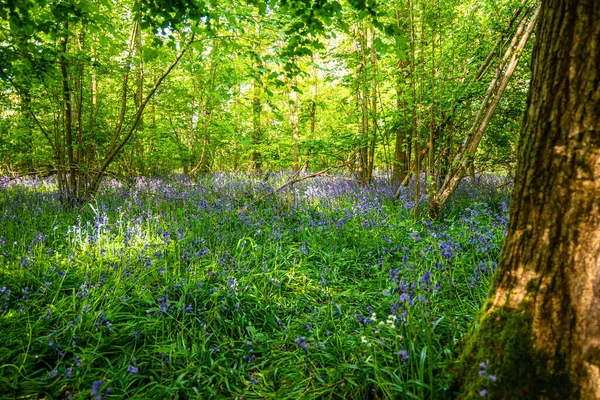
(171, 288)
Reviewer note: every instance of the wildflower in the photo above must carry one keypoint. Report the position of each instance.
(132, 369)
(300, 342)
(404, 354)
(492, 378)
(425, 278)
(53, 373)
(162, 304)
(483, 393)
(253, 381)
(96, 386)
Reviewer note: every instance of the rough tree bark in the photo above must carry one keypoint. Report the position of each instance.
(540, 326)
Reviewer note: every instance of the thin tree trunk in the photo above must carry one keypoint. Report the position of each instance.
(465, 155)
(127, 69)
(78, 114)
(371, 164)
(400, 167)
(117, 146)
(413, 142)
(418, 104)
(519, 17)
(205, 161)
(69, 170)
(313, 113)
(29, 120)
(293, 102)
(256, 126)
(539, 330)
(431, 171)
(90, 151)
(139, 96)
(364, 108)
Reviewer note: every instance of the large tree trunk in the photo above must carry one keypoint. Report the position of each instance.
(540, 327)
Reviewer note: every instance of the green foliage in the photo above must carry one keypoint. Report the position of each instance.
(186, 289)
(205, 105)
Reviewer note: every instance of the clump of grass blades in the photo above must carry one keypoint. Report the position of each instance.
(164, 288)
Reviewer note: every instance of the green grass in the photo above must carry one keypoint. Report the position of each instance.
(166, 289)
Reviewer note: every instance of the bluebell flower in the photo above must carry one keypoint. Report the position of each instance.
(300, 342)
(132, 369)
(96, 387)
(425, 278)
(404, 354)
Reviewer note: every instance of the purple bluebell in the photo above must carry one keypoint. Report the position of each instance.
(132, 369)
(300, 342)
(96, 387)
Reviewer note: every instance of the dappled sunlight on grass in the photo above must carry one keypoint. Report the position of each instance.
(194, 289)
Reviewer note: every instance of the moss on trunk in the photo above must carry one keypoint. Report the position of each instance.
(500, 362)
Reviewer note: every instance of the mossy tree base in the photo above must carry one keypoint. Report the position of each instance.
(538, 335)
(514, 369)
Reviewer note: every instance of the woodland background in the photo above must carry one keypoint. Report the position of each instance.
(130, 88)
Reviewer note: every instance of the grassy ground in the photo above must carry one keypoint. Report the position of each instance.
(179, 289)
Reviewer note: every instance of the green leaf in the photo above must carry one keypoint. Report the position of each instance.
(262, 7)
(150, 53)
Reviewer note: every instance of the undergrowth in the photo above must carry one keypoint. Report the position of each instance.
(190, 289)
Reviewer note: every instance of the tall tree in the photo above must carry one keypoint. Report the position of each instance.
(538, 333)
